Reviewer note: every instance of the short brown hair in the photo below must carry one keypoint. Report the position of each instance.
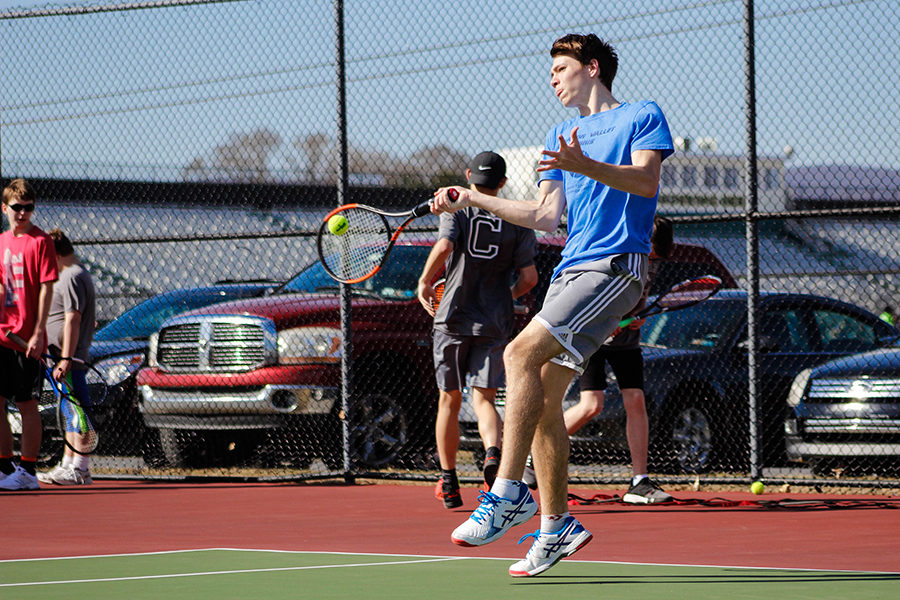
(584, 49)
(18, 189)
(61, 243)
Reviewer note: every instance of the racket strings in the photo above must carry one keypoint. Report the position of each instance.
(359, 250)
(75, 414)
(691, 293)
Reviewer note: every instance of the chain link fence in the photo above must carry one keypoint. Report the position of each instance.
(190, 149)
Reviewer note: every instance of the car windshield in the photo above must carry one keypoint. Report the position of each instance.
(697, 327)
(141, 321)
(397, 279)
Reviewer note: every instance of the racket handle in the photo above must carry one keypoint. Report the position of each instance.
(422, 210)
(425, 208)
(16, 339)
(626, 322)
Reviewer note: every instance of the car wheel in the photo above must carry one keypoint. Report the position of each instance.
(379, 432)
(691, 441)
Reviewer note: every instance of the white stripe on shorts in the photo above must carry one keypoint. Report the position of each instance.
(598, 304)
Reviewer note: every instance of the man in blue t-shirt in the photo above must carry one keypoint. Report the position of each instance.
(603, 168)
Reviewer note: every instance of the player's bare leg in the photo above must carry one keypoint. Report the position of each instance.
(490, 427)
(447, 427)
(524, 358)
(637, 428)
(509, 503)
(550, 448)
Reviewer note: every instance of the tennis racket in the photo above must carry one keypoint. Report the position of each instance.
(681, 295)
(355, 240)
(74, 410)
(438, 292)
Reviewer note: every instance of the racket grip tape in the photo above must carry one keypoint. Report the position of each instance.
(16, 339)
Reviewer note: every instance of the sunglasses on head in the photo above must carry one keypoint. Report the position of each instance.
(22, 207)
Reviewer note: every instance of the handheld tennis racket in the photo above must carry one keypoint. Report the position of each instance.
(681, 295)
(355, 240)
(74, 407)
(438, 292)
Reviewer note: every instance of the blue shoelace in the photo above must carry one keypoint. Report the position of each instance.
(486, 501)
(535, 535)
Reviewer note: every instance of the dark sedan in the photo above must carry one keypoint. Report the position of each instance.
(697, 374)
(846, 413)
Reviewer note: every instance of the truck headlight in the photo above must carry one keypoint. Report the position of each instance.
(798, 388)
(117, 369)
(309, 345)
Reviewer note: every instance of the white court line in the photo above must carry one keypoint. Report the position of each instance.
(435, 558)
(230, 572)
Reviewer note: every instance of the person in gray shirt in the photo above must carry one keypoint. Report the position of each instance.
(70, 331)
(487, 264)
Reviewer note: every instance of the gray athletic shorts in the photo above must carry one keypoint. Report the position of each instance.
(480, 358)
(585, 303)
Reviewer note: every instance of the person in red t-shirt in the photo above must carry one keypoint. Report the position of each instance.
(27, 271)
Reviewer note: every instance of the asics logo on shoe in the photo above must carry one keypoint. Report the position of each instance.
(561, 542)
(510, 514)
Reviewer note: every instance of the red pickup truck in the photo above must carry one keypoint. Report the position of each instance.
(259, 380)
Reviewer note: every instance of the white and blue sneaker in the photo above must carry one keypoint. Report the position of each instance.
(20, 479)
(494, 517)
(549, 548)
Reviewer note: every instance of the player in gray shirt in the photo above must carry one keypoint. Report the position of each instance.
(487, 264)
(70, 331)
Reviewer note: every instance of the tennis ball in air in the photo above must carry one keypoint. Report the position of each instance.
(757, 487)
(338, 225)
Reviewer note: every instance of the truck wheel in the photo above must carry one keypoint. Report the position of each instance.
(380, 429)
(178, 447)
(690, 439)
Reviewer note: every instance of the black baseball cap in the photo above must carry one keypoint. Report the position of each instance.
(487, 169)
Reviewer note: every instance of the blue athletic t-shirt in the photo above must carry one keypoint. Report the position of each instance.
(603, 221)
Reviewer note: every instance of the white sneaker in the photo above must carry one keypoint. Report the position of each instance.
(549, 548)
(72, 476)
(20, 479)
(47, 476)
(494, 517)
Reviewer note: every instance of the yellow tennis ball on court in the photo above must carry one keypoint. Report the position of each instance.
(338, 225)
(757, 487)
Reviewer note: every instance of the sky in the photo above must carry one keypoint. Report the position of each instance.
(160, 87)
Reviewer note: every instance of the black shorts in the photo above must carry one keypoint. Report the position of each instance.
(627, 365)
(22, 378)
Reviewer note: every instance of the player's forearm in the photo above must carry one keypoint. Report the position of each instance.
(526, 280)
(436, 258)
(541, 215)
(44, 296)
(71, 328)
(633, 179)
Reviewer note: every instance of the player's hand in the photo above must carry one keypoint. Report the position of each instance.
(426, 297)
(636, 324)
(61, 369)
(35, 345)
(569, 157)
(442, 201)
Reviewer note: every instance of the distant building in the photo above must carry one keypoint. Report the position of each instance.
(838, 186)
(689, 182)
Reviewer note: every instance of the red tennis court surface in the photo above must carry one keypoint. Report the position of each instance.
(114, 517)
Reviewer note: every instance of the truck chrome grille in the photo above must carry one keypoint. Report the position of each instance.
(215, 343)
(855, 390)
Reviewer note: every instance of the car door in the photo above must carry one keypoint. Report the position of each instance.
(787, 346)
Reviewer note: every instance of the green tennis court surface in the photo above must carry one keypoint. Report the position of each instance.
(221, 573)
